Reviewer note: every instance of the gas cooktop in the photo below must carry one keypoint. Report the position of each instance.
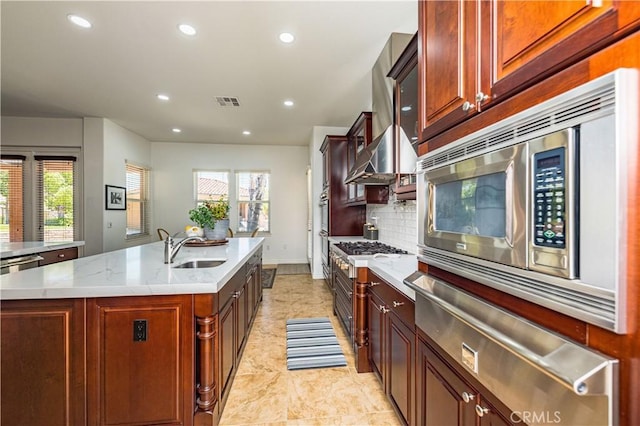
(362, 248)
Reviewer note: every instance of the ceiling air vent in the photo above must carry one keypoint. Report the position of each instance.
(228, 101)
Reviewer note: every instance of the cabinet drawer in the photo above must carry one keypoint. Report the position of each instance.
(394, 300)
(56, 256)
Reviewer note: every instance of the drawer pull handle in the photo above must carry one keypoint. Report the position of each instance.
(468, 397)
(373, 283)
(383, 309)
(61, 255)
(396, 304)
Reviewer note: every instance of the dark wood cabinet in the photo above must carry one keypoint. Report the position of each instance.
(359, 137)
(392, 344)
(445, 397)
(140, 353)
(42, 362)
(405, 104)
(343, 219)
(474, 54)
(55, 256)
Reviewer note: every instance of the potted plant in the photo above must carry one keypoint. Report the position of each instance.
(213, 217)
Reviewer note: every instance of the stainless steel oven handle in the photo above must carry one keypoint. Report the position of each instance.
(21, 261)
(545, 365)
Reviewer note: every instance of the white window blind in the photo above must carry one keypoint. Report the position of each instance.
(138, 213)
(253, 201)
(56, 198)
(12, 198)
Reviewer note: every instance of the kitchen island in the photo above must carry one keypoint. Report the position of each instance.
(123, 338)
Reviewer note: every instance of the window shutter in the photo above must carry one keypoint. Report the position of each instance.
(138, 214)
(12, 206)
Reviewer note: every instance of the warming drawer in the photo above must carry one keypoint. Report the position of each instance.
(528, 368)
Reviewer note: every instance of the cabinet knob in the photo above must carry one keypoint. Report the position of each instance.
(383, 309)
(467, 106)
(468, 397)
(481, 97)
(481, 411)
(61, 255)
(396, 304)
(373, 283)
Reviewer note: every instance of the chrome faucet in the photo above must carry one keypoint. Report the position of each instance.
(170, 250)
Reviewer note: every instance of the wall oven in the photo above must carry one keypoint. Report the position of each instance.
(531, 204)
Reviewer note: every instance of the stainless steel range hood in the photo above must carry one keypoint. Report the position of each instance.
(376, 164)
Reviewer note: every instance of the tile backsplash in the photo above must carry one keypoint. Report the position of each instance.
(397, 224)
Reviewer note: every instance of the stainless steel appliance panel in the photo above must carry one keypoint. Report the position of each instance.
(530, 369)
(15, 264)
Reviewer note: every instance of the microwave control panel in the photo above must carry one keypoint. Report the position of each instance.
(549, 194)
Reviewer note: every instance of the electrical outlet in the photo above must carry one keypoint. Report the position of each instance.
(140, 330)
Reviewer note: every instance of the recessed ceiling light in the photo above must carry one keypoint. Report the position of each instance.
(288, 103)
(246, 132)
(287, 38)
(176, 130)
(406, 108)
(162, 97)
(187, 29)
(79, 21)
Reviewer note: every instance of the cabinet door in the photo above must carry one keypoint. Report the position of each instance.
(243, 317)
(42, 362)
(400, 366)
(439, 392)
(447, 63)
(533, 39)
(251, 295)
(376, 319)
(140, 353)
(227, 344)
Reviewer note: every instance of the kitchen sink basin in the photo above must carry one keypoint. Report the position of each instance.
(201, 263)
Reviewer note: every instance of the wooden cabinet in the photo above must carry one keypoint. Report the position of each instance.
(405, 104)
(444, 397)
(55, 256)
(140, 353)
(534, 39)
(449, 73)
(359, 136)
(392, 344)
(42, 362)
(343, 219)
(476, 53)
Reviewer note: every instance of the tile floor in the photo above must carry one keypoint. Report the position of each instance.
(264, 392)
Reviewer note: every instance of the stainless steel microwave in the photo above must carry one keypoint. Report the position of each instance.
(536, 204)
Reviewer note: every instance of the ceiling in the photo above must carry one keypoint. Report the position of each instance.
(52, 68)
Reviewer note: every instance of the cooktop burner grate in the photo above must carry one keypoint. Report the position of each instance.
(368, 248)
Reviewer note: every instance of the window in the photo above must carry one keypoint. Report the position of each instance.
(211, 185)
(39, 195)
(137, 201)
(55, 182)
(253, 201)
(11, 198)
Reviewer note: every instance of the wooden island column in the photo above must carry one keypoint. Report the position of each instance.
(206, 314)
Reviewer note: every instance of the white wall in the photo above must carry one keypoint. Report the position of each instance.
(315, 159)
(173, 165)
(30, 131)
(120, 146)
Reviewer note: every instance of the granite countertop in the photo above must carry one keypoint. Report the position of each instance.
(32, 247)
(135, 271)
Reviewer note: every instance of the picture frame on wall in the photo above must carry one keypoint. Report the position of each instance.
(115, 197)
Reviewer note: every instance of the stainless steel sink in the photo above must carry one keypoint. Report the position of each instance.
(201, 263)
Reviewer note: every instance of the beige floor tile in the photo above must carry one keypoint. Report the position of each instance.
(264, 392)
(256, 398)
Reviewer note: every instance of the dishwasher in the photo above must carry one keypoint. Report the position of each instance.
(15, 264)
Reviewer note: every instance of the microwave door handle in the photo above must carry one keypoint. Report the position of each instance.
(509, 203)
